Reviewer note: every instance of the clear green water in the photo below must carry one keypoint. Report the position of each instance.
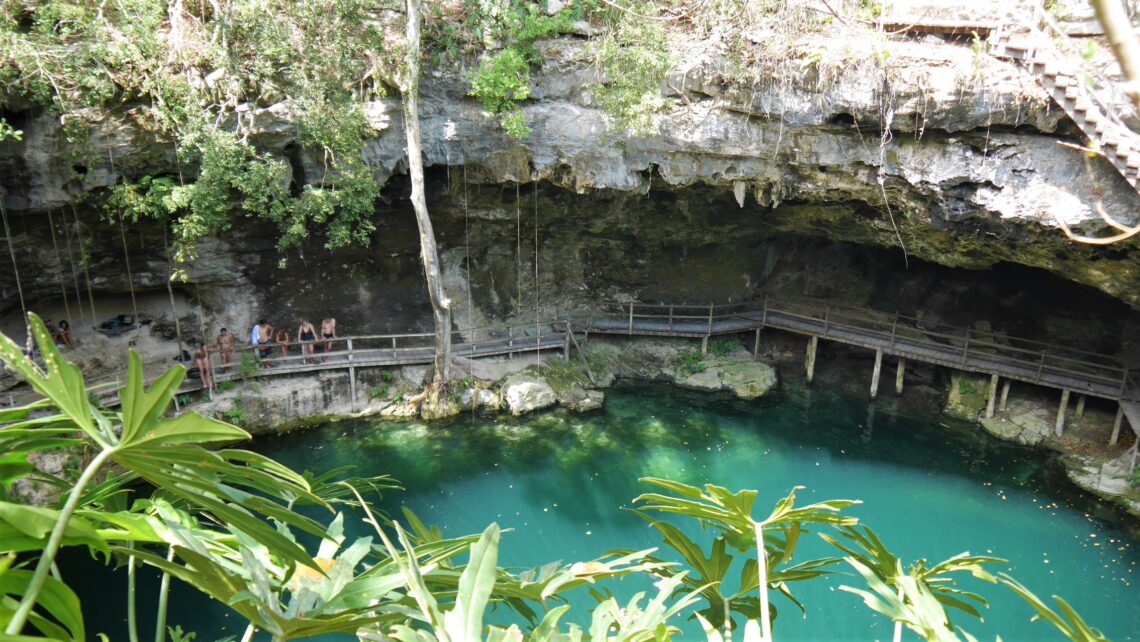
(929, 489)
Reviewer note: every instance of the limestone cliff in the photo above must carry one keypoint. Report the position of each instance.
(952, 152)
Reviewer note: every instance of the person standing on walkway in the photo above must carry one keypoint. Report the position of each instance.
(225, 342)
(328, 331)
(283, 341)
(264, 340)
(202, 362)
(306, 334)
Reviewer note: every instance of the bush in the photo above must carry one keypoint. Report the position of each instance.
(378, 392)
(691, 363)
(235, 414)
(722, 347)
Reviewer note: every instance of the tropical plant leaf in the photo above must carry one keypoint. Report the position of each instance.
(55, 598)
(26, 528)
(465, 620)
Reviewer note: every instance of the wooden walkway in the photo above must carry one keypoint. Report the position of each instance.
(903, 337)
(899, 336)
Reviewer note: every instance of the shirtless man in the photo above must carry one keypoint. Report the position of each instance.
(225, 342)
(264, 340)
(202, 362)
(328, 331)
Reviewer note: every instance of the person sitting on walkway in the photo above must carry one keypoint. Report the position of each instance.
(306, 334)
(328, 331)
(202, 362)
(53, 331)
(264, 340)
(64, 334)
(225, 342)
(283, 340)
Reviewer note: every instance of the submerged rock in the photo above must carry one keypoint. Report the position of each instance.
(1025, 423)
(735, 372)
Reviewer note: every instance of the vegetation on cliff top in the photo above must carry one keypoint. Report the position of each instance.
(195, 73)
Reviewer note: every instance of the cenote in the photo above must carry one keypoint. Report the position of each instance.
(562, 483)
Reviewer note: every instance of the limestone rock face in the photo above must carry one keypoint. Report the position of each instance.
(973, 175)
(969, 393)
(524, 393)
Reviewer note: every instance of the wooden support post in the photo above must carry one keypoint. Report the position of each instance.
(1061, 412)
(764, 317)
(1080, 408)
(630, 330)
(894, 329)
(827, 321)
(566, 344)
(1116, 426)
(711, 306)
(992, 400)
(670, 317)
(756, 345)
(352, 387)
(966, 349)
(875, 373)
(900, 375)
(813, 343)
(350, 349)
(705, 345)
(1004, 396)
(510, 341)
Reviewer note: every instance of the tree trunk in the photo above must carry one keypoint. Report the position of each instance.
(441, 305)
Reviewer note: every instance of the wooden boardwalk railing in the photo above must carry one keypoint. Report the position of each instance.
(904, 337)
(896, 334)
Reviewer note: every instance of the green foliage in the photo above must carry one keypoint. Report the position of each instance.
(225, 386)
(7, 131)
(196, 74)
(721, 347)
(235, 414)
(966, 388)
(386, 376)
(378, 392)
(249, 365)
(690, 363)
(502, 80)
(635, 58)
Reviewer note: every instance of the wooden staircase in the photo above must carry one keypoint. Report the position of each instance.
(1067, 85)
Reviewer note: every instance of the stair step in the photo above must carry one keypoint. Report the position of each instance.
(1064, 81)
(1072, 94)
(1133, 161)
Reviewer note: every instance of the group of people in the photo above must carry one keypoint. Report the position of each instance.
(60, 333)
(265, 337)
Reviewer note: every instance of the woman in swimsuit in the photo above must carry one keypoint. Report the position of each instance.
(306, 334)
(328, 331)
(202, 362)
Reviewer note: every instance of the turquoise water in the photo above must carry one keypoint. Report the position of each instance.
(929, 488)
